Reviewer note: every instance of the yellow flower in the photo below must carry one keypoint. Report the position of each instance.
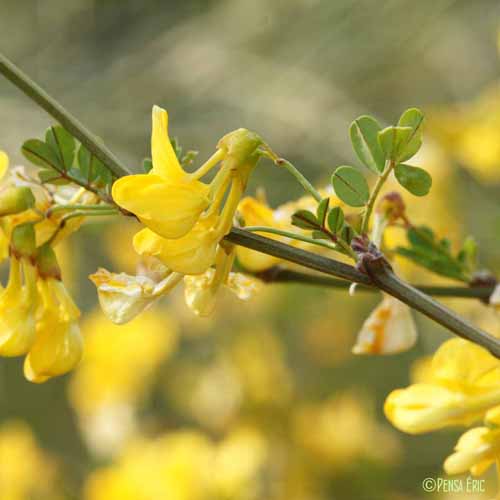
(463, 383)
(342, 431)
(116, 373)
(58, 344)
(175, 466)
(201, 291)
(475, 451)
(184, 218)
(27, 472)
(256, 213)
(389, 329)
(18, 301)
(122, 297)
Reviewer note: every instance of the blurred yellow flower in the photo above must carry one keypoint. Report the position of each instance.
(470, 132)
(26, 471)
(120, 361)
(256, 212)
(175, 466)
(340, 430)
(463, 384)
(476, 450)
(389, 329)
(119, 365)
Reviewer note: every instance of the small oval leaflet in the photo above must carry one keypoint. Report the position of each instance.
(414, 179)
(350, 186)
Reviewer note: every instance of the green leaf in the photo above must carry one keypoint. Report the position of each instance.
(414, 119)
(393, 141)
(350, 186)
(416, 180)
(91, 170)
(51, 176)
(147, 165)
(348, 233)
(336, 220)
(320, 235)
(63, 143)
(429, 252)
(468, 253)
(42, 155)
(322, 210)
(364, 138)
(305, 220)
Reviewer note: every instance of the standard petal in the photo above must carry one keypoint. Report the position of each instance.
(165, 162)
(461, 364)
(169, 210)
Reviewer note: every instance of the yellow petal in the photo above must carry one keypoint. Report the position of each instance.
(194, 253)
(4, 164)
(426, 407)
(475, 451)
(257, 214)
(17, 314)
(459, 363)
(57, 349)
(171, 210)
(165, 162)
(122, 297)
(199, 293)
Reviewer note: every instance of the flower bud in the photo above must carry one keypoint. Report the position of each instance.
(392, 207)
(16, 199)
(240, 145)
(23, 241)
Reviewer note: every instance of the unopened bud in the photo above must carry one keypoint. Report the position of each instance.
(46, 262)
(392, 207)
(15, 199)
(23, 242)
(240, 145)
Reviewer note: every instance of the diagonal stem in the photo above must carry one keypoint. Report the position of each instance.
(67, 120)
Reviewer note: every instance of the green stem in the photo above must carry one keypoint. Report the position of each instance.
(68, 121)
(80, 213)
(373, 196)
(279, 274)
(308, 187)
(382, 279)
(289, 234)
(59, 208)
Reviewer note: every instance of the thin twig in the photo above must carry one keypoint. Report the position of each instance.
(67, 120)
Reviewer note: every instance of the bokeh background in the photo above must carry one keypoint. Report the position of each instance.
(264, 400)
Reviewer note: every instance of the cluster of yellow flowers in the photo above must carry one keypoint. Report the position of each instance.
(38, 317)
(460, 386)
(186, 220)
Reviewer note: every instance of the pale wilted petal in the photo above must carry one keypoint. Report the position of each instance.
(389, 329)
(122, 297)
